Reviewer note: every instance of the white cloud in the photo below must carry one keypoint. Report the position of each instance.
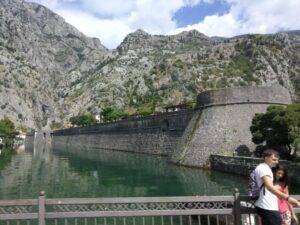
(154, 17)
(110, 32)
(110, 8)
(112, 20)
(215, 25)
(251, 16)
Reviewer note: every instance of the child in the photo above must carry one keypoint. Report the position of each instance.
(281, 183)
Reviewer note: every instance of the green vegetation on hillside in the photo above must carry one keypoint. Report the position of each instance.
(7, 127)
(7, 131)
(56, 125)
(83, 120)
(111, 114)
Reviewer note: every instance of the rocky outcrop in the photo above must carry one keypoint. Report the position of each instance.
(141, 41)
(39, 55)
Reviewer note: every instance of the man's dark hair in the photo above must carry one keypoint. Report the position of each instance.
(269, 152)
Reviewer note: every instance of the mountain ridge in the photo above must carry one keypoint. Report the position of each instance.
(50, 71)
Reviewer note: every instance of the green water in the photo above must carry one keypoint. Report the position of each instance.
(104, 173)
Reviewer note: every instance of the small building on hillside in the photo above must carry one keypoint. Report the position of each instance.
(173, 108)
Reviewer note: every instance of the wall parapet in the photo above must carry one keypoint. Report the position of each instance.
(275, 94)
(166, 122)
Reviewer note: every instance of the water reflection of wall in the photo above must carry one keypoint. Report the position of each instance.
(14, 174)
(38, 169)
(210, 182)
(31, 172)
(164, 178)
(124, 173)
(101, 173)
(29, 142)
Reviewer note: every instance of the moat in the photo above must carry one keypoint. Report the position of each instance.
(104, 173)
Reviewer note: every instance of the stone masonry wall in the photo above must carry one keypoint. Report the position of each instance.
(223, 126)
(156, 134)
(219, 125)
(220, 130)
(244, 165)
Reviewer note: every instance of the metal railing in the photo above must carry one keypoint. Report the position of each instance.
(191, 210)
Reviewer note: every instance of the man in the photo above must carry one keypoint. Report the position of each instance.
(267, 205)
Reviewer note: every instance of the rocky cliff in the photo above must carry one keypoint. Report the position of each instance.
(50, 71)
(40, 56)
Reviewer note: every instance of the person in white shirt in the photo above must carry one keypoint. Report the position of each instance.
(266, 205)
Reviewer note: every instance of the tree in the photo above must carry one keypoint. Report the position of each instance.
(279, 126)
(83, 120)
(7, 127)
(111, 114)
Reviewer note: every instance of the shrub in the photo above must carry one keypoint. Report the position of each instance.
(82, 120)
(7, 127)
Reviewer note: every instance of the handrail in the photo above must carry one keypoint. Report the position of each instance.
(43, 209)
(139, 199)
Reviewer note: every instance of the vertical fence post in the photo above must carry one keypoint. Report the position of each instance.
(41, 213)
(237, 207)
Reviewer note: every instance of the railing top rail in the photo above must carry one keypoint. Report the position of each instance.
(296, 197)
(18, 202)
(50, 201)
(140, 200)
(248, 198)
(249, 208)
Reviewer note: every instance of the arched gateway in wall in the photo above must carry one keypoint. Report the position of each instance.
(221, 122)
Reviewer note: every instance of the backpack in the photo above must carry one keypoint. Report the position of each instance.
(253, 188)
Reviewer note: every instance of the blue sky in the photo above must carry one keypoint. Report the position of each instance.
(112, 20)
(193, 14)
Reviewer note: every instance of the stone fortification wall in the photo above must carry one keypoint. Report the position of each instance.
(244, 165)
(222, 123)
(157, 134)
(29, 140)
(36, 139)
(219, 125)
(275, 94)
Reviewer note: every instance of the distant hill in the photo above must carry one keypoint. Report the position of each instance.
(50, 71)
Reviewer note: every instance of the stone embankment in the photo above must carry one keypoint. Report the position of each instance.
(244, 165)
